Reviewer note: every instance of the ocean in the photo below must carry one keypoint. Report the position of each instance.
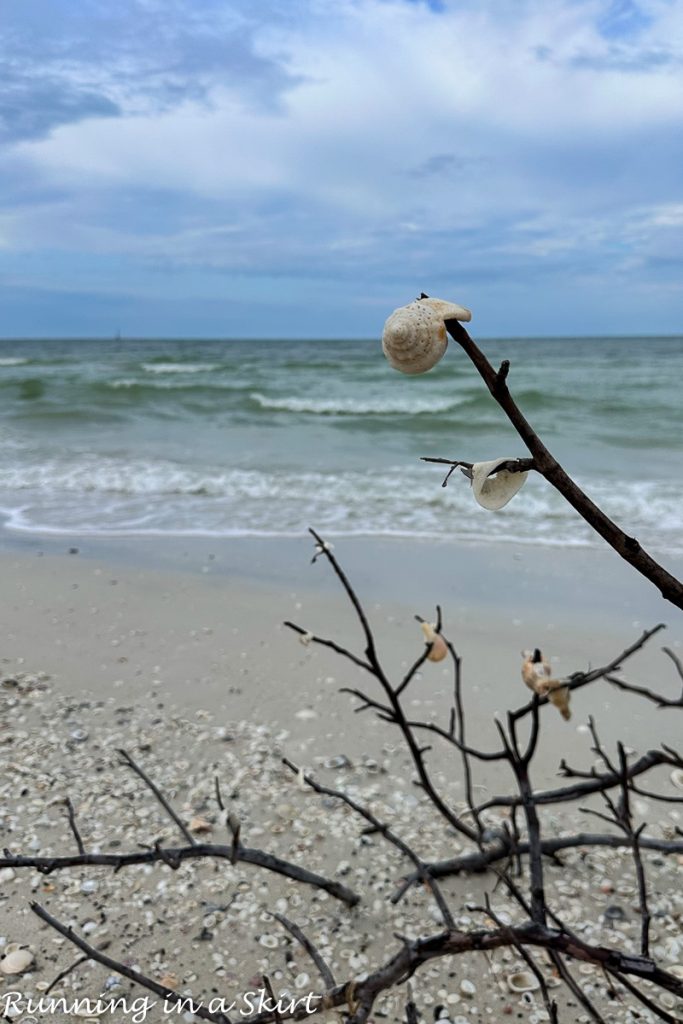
(264, 438)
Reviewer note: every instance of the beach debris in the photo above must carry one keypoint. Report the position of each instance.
(198, 825)
(438, 650)
(269, 941)
(522, 981)
(468, 988)
(306, 639)
(677, 778)
(16, 960)
(339, 761)
(415, 338)
(493, 488)
(537, 674)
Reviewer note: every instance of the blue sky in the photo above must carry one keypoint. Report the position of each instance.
(301, 167)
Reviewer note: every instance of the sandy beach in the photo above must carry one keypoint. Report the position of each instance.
(177, 652)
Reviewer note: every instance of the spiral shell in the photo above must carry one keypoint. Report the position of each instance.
(414, 337)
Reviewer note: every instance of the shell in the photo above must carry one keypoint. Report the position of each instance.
(468, 988)
(16, 962)
(414, 337)
(677, 777)
(494, 492)
(439, 650)
(523, 981)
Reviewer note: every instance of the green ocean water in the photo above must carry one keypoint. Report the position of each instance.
(230, 438)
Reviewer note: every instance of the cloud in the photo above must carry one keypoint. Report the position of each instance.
(374, 145)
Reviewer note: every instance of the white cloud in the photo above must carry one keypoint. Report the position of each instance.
(521, 139)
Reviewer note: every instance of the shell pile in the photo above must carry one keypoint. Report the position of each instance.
(206, 927)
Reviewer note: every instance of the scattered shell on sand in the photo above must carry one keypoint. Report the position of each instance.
(16, 961)
(199, 825)
(677, 777)
(269, 941)
(522, 981)
(468, 988)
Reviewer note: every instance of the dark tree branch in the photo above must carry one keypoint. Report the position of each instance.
(174, 857)
(547, 465)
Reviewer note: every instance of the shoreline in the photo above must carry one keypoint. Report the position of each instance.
(202, 624)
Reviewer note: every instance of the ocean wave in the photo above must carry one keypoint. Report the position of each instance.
(180, 367)
(356, 406)
(13, 361)
(109, 496)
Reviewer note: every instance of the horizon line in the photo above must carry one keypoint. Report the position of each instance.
(285, 338)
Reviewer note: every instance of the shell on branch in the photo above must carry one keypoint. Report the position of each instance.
(493, 492)
(414, 337)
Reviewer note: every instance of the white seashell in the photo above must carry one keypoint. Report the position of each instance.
(676, 970)
(269, 941)
(302, 980)
(6, 874)
(494, 492)
(467, 988)
(677, 777)
(415, 338)
(523, 981)
(16, 962)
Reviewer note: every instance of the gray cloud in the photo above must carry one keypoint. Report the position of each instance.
(63, 63)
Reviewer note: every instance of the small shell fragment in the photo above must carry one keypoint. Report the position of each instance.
(269, 941)
(523, 981)
(439, 650)
(199, 825)
(677, 778)
(468, 988)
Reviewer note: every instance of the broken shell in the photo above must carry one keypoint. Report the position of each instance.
(414, 337)
(199, 825)
(523, 981)
(677, 777)
(494, 492)
(16, 962)
(439, 650)
(269, 941)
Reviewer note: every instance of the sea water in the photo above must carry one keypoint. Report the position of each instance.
(264, 438)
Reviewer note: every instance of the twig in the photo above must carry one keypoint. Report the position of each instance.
(128, 760)
(388, 834)
(317, 958)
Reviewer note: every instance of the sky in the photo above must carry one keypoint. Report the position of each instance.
(299, 168)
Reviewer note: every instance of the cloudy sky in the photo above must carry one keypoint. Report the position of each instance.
(301, 167)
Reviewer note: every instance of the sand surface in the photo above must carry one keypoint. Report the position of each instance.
(178, 653)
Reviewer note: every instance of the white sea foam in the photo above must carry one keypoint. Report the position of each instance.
(12, 361)
(109, 495)
(179, 367)
(356, 406)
